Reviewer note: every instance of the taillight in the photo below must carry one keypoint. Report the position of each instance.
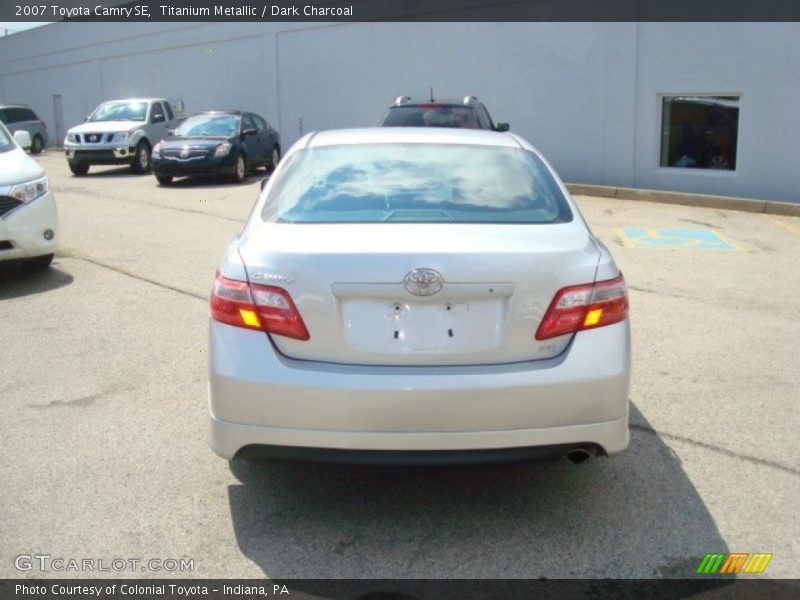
(262, 307)
(586, 306)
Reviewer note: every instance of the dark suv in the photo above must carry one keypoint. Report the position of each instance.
(18, 117)
(467, 113)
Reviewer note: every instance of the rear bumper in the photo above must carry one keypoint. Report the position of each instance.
(227, 439)
(258, 397)
(24, 227)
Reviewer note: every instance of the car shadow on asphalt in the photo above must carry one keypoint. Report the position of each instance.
(636, 515)
(17, 280)
(215, 182)
(124, 171)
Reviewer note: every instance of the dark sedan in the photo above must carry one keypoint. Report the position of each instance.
(217, 143)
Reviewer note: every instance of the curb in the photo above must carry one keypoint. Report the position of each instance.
(724, 202)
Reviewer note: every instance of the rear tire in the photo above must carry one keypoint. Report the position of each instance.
(164, 179)
(274, 158)
(37, 145)
(39, 263)
(79, 169)
(141, 161)
(240, 170)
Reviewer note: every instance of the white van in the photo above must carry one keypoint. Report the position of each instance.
(28, 216)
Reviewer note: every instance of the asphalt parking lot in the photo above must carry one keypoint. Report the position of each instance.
(103, 407)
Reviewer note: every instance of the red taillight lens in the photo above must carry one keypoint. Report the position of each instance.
(587, 306)
(261, 307)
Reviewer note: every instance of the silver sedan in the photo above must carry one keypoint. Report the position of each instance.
(409, 294)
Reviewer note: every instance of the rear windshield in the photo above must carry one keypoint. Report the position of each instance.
(416, 183)
(463, 117)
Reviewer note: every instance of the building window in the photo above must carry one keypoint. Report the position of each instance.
(699, 132)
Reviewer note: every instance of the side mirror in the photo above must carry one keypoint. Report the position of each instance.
(158, 118)
(23, 139)
(86, 119)
(250, 131)
(264, 182)
(170, 131)
(501, 127)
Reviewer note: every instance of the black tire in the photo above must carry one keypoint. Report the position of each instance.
(240, 169)
(37, 145)
(39, 263)
(141, 158)
(79, 169)
(274, 157)
(164, 179)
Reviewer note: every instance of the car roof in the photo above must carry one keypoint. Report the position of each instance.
(445, 101)
(413, 135)
(135, 100)
(14, 106)
(220, 112)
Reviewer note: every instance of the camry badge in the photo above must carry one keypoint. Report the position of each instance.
(423, 282)
(272, 277)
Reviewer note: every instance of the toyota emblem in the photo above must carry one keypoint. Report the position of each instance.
(423, 282)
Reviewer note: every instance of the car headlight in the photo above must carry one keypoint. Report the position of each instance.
(121, 136)
(72, 137)
(156, 152)
(30, 190)
(222, 149)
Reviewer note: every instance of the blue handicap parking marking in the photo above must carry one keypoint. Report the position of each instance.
(648, 237)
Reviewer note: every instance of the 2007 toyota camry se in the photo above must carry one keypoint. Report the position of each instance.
(409, 294)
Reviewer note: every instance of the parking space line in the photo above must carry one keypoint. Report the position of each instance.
(64, 254)
(786, 226)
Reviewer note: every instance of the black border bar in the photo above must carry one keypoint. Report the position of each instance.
(399, 589)
(402, 10)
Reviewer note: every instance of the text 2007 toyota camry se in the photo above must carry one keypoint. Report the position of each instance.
(408, 294)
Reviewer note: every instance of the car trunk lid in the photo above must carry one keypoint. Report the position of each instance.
(358, 289)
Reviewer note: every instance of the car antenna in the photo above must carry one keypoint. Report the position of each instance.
(432, 95)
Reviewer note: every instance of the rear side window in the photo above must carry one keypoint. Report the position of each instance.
(485, 116)
(415, 183)
(170, 114)
(3, 118)
(261, 124)
(16, 115)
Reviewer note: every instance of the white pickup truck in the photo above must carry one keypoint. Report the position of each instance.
(119, 132)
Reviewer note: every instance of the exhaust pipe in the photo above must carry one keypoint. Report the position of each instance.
(578, 456)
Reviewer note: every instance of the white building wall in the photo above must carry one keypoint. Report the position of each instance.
(587, 94)
(758, 61)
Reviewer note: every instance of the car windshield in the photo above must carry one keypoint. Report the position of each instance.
(209, 126)
(6, 143)
(438, 115)
(415, 183)
(120, 111)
